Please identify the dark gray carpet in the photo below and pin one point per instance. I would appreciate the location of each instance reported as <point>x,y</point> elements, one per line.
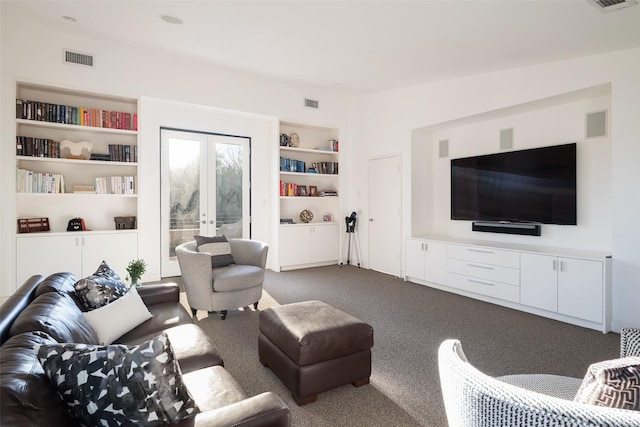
<point>409,322</point>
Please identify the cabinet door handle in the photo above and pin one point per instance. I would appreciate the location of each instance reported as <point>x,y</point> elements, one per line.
<point>555,265</point>
<point>484,251</point>
<point>486,267</point>
<point>482,282</point>
<point>562,266</point>
<point>426,247</point>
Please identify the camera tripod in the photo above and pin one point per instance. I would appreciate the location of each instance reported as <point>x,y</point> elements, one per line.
<point>350,222</point>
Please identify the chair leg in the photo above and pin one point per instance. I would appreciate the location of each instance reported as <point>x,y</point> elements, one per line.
<point>223,314</point>
<point>255,305</point>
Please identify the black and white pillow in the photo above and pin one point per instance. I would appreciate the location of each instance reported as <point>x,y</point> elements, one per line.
<point>612,383</point>
<point>218,247</point>
<point>101,288</point>
<point>119,385</point>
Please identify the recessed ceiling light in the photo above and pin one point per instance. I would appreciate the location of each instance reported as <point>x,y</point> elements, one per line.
<point>171,19</point>
<point>69,18</point>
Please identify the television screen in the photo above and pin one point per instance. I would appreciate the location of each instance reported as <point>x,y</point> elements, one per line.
<point>535,185</point>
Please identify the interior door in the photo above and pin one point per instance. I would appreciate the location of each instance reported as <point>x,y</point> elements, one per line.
<point>204,190</point>
<point>385,227</point>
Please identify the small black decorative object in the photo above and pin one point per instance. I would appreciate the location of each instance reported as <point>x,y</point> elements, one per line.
<point>75,224</point>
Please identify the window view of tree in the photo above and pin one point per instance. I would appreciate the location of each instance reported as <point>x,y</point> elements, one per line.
<point>229,189</point>
<point>184,193</point>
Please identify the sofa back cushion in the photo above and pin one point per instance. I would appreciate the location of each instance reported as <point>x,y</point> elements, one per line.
<point>61,283</point>
<point>58,316</point>
<point>27,396</point>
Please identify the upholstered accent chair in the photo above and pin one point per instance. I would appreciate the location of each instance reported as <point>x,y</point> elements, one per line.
<point>472,398</point>
<point>223,288</point>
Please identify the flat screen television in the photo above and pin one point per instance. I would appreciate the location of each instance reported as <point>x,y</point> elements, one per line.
<point>536,185</point>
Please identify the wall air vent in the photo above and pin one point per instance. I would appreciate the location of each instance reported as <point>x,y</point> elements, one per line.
<point>78,58</point>
<point>609,5</point>
<point>311,103</point>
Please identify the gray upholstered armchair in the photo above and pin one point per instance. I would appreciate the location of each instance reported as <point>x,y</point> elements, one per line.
<point>220,289</point>
<point>472,398</point>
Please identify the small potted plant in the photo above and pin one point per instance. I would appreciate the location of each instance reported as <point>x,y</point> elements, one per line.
<point>136,269</point>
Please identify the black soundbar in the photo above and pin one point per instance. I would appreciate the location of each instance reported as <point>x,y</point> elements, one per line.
<point>524,228</point>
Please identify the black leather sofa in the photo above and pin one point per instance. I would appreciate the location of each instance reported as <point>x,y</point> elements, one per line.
<point>45,310</point>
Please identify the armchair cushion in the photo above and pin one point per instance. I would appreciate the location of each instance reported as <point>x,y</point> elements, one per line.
<point>216,246</point>
<point>612,383</point>
<point>109,385</point>
<point>101,288</point>
<point>236,277</point>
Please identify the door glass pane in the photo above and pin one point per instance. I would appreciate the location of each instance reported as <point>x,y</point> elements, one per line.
<point>229,189</point>
<point>184,194</point>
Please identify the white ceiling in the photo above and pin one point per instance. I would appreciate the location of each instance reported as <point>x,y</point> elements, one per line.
<point>357,46</point>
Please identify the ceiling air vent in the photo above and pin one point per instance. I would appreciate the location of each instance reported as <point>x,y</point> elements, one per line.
<point>609,5</point>
<point>311,103</point>
<point>78,58</point>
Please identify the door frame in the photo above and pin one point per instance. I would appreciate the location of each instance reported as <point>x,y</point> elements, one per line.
<point>398,246</point>
<point>173,269</point>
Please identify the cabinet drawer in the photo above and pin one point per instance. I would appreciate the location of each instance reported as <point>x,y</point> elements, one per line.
<point>494,273</point>
<point>484,255</point>
<point>484,287</point>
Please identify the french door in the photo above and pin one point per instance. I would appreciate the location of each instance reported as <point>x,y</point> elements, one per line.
<point>205,189</point>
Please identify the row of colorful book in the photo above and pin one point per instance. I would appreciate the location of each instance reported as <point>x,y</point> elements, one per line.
<point>71,115</point>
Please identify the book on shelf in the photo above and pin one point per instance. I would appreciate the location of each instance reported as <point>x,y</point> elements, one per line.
<point>292,165</point>
<point>38,182</point>
<point>37,147</point>
<point>73,115</point>
<point>116,185</point>
<point>328,193</point>
<point>123,153</point>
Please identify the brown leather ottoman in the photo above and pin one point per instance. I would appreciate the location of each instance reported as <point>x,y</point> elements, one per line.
<point>313,347</point>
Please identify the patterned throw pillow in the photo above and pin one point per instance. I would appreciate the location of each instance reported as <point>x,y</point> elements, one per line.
<point>100,288</point>
<point>118,385</point>
<point>218,247</point>
<point>612,383</point>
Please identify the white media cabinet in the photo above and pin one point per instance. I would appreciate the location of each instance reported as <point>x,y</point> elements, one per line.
<point>568,285</point>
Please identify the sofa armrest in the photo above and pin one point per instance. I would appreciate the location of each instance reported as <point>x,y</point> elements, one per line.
<point>265,409</point>
<point>629,342</point>
<point>159,293</point>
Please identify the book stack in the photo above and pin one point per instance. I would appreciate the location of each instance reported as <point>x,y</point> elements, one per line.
<point>37,147</point>
<point>328,193</point>
<point>84,189</point>
<point>72,115</point>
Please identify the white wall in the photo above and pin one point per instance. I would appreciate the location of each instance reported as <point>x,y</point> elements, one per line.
<point>387,121</point>
<point>543,126</point>
<point>210,97</point>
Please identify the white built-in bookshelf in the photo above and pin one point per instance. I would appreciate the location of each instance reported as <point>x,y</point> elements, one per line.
<point>57,184</point>
<point>309,180</point>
